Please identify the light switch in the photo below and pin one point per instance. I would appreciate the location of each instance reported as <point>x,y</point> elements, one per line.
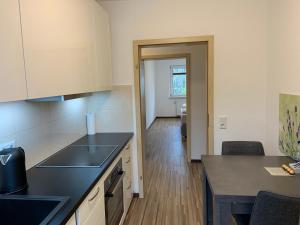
<point>223,122</point>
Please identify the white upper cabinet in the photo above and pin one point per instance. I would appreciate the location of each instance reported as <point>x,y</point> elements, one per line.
<point>66,47</point>
<point>103,76</point>
<point>12,73</point>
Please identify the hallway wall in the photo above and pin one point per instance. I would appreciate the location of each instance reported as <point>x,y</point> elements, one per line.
<point>166,106</point>
<point>150,92</point>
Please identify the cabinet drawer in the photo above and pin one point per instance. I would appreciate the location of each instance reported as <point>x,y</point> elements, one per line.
<point>126,155</point>
<point>126,160</point>
<point>127,169</point>
<point>91,201</point>
<point>127,149</point>
<point>127,184</point>
<point>128,146</point>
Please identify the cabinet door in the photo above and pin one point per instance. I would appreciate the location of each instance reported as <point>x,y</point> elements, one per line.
<point>103,75</point>
<point>12,72</point>
<point>92,210</point>
<point>71,221</point>
<point>127,193</point>
<point>59,46</point>
<point>97,214</point>
<point>127,189</point>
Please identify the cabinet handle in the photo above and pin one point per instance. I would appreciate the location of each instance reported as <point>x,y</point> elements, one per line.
<point>129,187</point>
<point>95,195</point>
<point>127,147</point>
<point>128,161</point>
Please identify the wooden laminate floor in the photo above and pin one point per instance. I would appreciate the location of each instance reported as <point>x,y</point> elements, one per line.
<point>172,186</point>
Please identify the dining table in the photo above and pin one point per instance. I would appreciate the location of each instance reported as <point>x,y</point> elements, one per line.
<point>231,184</point>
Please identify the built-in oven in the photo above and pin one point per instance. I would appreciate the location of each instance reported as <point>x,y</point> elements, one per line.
<point>113,189</point>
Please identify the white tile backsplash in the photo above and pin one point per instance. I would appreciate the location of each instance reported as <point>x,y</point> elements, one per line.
<point>43,128</point>
<point>114,111</point>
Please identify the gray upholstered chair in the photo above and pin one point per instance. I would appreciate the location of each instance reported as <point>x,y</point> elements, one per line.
<point>242,148</point>
<point>275,209</point>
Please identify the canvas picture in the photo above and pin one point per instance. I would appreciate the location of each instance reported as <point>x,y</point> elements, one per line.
<point>289,125</point>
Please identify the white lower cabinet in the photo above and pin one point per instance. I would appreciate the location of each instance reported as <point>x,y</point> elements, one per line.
<point>92,210</point>
<point>127,182</point>
<point>72,221</point>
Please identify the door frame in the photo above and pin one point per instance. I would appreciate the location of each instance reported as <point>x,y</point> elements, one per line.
<point>140,127</point>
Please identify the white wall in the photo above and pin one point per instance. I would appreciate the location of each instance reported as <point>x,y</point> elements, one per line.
<point>166,106</point>
<point>150,92</point>
<point>42,129</point>
<point>240,31</point>
<point>284,66</point>
<point>157,90</point>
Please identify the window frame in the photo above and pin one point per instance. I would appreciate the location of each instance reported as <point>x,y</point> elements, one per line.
<point>171,95</point>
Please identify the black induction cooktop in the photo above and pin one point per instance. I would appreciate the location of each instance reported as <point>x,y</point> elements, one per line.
<point>80,156</point>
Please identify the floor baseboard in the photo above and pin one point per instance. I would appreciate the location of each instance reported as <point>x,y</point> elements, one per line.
<point>136,195</point>
<point>167,117</point>
<point>196,161</point>
<point>152,123</point>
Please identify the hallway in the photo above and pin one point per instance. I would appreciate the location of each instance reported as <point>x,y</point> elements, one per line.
<point>172,186</point>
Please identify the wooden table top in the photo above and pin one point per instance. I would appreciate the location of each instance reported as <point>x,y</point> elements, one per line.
<point>245,176</point>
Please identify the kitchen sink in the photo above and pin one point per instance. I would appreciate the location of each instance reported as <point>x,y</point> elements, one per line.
<point>33,210</point>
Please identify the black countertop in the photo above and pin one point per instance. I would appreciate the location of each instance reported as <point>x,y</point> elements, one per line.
<point>75,183</point>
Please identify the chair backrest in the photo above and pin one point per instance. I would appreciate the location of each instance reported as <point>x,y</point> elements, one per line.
<point>275,209</point>
<point>242,148</point>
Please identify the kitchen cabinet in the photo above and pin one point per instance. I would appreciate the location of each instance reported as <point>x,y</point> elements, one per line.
<point>12,72</point>
<point>72,221</point>
<point>103,76</point>
<point>92,210</point>
<point>127,167</point>
<point>66,47</point>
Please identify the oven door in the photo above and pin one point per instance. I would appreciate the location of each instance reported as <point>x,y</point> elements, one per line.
<point>114,207</point>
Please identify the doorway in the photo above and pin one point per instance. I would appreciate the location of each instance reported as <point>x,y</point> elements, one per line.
<point>139,87</point>
<point>169,100</point>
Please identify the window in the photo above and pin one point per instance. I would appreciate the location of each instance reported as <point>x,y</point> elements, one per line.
<point>178,81</point>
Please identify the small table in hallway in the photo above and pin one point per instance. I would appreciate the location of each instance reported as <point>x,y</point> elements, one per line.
<point>231,183</point>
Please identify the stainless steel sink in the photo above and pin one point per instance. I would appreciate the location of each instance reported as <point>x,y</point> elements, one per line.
<point>33,210</point>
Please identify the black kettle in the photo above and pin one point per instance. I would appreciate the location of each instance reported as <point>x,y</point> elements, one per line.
<point>12,170</point>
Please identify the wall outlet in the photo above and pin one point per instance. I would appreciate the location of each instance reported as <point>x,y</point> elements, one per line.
<point>9,144</point>
<point>223,122</point>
